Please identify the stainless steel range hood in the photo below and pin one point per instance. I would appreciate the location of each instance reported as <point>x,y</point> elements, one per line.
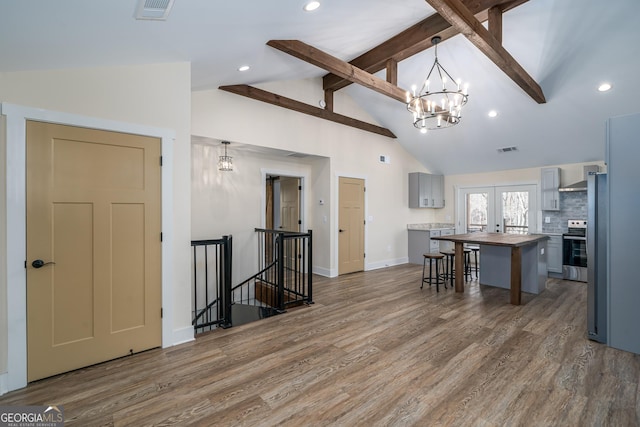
<point>576,186</point>
<point>581,185</point>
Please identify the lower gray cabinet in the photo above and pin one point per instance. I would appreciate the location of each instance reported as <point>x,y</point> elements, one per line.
<point>554,254</point>
<point>420,243</point>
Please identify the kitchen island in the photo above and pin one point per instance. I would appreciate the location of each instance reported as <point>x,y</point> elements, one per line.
<point>511,261</point>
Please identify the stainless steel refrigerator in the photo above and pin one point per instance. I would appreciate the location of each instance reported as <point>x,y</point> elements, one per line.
<point>613,239</point>
<point>597,257</point>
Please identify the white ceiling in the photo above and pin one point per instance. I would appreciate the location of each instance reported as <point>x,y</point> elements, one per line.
<point>568,46</point>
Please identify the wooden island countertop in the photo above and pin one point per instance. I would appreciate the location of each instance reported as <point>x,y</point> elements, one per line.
<point>495,239</point>
<point>515,241</point>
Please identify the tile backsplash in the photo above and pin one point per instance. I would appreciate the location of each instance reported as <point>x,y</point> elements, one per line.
<point>573,205</point>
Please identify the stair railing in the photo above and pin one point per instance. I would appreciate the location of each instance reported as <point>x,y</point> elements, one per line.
<point>291,255</point>
<point>211,283</point>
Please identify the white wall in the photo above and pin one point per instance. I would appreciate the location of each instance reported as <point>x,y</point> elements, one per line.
<point>352,152</point>
<point>151,95</point>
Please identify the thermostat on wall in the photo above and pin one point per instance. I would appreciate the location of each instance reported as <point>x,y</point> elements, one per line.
<point>385,159</point>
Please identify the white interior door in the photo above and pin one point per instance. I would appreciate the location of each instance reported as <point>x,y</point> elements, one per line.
<point>501,209</point>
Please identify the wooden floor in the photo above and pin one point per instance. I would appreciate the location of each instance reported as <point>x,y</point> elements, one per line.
<point>374,350</point>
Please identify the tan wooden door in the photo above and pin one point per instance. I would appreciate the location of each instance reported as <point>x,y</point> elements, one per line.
<point>351,225</point>
<point>290,204</point>
<point>93,208</point>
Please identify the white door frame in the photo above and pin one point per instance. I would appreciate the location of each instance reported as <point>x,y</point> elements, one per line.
<point>16,245</point>
<point>304,179</point>
<point>336,213</point>
<point>491,188</point>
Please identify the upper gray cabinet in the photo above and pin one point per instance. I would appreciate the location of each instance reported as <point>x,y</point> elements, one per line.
<point>550,179</point>
<point>426,190</point>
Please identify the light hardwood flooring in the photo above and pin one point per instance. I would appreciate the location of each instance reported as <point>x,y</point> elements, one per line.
<point>374,350</point>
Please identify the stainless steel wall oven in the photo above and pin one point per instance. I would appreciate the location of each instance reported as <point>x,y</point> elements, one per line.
<point>574,251</point>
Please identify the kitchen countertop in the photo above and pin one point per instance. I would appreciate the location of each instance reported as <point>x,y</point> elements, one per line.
<point>495,239</point>
<point>429,226</point>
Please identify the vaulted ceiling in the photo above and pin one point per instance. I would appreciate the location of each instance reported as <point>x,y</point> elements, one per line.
<point>538,64</point>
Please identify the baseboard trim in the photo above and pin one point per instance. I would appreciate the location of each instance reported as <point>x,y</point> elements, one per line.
<point>183,335</point>
<point>4,383</point>
<point>321,271</point>
<point>386,263</point>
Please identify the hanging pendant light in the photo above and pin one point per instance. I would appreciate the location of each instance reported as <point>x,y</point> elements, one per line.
<point>225,163</point>
<point>439,102</point>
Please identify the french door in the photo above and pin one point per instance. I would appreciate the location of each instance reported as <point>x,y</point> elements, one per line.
<point>502,209</point>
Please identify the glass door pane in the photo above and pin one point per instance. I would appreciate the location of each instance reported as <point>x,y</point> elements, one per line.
<point>477,212</point>
<point>516,207</point>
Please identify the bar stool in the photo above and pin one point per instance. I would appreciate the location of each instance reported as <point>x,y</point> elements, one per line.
<point>432,257</point>
<point>467,264</point>
<point>475,249</point>
<point>448,264</point>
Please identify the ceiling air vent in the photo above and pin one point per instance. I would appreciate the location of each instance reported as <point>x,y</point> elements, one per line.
<point>507,149</point>
<point>153,10</point>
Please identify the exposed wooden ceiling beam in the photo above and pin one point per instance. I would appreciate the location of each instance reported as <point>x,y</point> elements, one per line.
<point>301,107</point>
<point>462,19</point>
<point>392,71</point>
<point>495,23</point>
<point>339,67</point>
<point>413,40</point>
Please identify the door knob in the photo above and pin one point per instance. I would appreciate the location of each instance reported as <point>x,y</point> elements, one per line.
<point>340,230</point>
<point>40,263</point>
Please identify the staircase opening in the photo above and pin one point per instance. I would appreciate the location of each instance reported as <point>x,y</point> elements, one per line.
<point>283,279</point>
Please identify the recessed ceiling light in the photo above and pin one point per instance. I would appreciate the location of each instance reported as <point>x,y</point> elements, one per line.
<point>604,87</point>
<point>312,5</point>
<point>493,113</point>
<point>244,68</point>
<point>423,130</point>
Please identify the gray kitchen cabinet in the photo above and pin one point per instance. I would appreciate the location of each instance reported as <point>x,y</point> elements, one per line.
<point>420,243</point>
<point>550,184</point>
<point>554,254</point>
<point>444,245</point>
<point>426,190</point>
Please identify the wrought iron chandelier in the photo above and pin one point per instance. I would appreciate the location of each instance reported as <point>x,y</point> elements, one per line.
<point>225,163</point>
<point>438,104</point>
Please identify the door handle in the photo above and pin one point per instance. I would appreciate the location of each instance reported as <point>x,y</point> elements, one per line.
<point>40,263</point>
<point>340,230</point>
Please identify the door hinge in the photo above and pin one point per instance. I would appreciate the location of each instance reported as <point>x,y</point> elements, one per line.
<point>364,255</point>
<point>299,187</point>
<point>299,222</point>
<point>25,263</point>
<point>161,236</point>
<point>160,160</point>
<point>161,312</point>
<point>364,189</point>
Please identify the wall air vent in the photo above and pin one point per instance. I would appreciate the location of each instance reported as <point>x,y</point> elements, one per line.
<point>507,149</point>
<point>153,10</point>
